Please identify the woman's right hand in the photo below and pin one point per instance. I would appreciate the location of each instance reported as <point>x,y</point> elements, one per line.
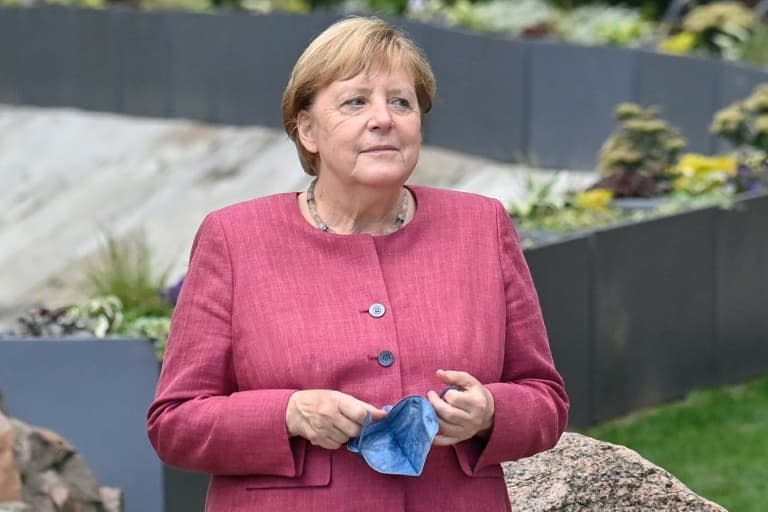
<point>327,418</point>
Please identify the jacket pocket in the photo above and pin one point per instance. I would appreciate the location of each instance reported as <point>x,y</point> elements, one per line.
<point>492,471</point>
<point>316,473</point>
<point>468,454</point>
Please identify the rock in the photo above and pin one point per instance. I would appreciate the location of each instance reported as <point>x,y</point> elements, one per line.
<point>78,477</point>
<point>47,449</point>
<point>15,506</point>
<point>10,480</point>
<point>111,498</point>
<point>584,474</point>
<point>40,471</point>
<point>3,408</point>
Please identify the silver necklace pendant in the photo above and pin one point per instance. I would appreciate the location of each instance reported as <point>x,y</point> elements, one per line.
<point>397,223</point>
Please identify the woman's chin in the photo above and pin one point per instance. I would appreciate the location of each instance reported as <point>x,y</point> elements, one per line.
<point>383,176</point>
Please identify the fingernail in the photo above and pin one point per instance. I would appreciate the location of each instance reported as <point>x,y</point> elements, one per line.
<point>449,388</point>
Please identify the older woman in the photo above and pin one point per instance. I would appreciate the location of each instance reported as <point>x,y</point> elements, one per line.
<point>303,313</point>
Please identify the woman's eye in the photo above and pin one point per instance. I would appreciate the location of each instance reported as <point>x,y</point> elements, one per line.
<point>401,103</point>
<point>355,102</point>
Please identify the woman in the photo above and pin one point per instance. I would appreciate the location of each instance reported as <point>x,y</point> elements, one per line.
<point>303,313</point>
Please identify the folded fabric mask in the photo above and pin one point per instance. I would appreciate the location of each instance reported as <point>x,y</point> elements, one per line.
<point>398,444</point>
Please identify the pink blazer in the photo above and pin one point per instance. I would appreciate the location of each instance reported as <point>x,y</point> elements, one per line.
<point>272,305</point>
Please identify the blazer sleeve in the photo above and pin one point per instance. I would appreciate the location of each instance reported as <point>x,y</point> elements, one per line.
<point>531,405</point>
<point>200,420</point>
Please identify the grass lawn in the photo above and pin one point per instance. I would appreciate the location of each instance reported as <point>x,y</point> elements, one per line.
<point>715,441</point>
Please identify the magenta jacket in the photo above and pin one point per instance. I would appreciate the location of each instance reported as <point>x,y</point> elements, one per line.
<point>272,305</point>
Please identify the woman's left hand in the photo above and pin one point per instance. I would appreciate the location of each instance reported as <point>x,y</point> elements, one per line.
<point>463,413</point>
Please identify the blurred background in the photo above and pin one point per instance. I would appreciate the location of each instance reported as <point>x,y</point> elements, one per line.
<point>629,141</point>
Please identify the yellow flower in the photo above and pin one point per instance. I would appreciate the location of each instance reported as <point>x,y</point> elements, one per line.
<point>680,43</point>
<point>595,199</point>
<point>692,164</point>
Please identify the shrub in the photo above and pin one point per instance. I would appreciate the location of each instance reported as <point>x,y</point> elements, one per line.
<point>123,269</point>
<point>725,29</point>
<point>745,123</point>
<point>633,162</point>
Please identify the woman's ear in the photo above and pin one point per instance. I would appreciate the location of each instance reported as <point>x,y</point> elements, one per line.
<point>306,132</point>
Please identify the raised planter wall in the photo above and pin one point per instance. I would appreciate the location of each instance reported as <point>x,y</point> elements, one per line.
<point>643,313</point>
<point>550,104</point>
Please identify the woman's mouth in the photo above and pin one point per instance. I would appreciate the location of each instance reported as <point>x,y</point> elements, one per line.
<point>379,149</point>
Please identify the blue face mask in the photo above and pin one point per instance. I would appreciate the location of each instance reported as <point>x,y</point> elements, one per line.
<point>398,444</point>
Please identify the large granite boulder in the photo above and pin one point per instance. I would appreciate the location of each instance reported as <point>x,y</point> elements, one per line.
<point>41,472</point>
<point>584,474</point>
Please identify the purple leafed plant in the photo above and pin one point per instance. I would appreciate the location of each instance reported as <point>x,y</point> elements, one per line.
<point>171,294</point>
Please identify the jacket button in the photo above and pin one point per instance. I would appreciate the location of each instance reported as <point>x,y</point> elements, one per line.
<point>377,310</point>
<point>386,358</point>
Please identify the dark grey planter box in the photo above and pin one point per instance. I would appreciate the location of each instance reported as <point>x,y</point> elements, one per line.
<point>571,96</point>
<point>640,314</point>
<point>490,122</point>
<point>184,491</point>
<point>41,60</point>
<point>563,275</point>
<point>741,254</point>
<point>546,103</point>
<point>95,393</point>
<point>144,63</point>
<point>685,88</point>
<point>654,296</point>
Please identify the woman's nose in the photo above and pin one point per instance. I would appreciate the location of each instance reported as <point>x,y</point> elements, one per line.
<point>381,116</point>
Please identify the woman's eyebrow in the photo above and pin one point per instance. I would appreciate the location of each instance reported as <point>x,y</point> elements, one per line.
<point>355,90</point>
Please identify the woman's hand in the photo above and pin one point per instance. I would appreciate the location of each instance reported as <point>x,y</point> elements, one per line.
<point>462,414</point>
<point>327,418</point>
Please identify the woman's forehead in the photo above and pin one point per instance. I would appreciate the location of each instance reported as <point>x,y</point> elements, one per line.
<point>395,74</point>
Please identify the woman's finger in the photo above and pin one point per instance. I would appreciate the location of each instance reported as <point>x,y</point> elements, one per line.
<point>446,411</point>
<point>457,378</point>
<point>441,440</point>
<point>470,401</point>
<point>347,427</point>
<point>356,410</point>
<point>449,429</point>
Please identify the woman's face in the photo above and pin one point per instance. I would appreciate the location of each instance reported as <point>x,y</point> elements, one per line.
<point>366,130</point>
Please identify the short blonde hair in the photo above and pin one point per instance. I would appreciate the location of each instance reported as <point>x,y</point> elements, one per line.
<point>344,50</point>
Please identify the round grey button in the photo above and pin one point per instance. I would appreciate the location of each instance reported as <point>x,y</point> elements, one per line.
<point>386,358</point>
<point>377,310</point>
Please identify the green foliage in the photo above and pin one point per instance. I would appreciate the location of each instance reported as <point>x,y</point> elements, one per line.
<point>499,16</point>
<point>100,315</point>
<point>725,29</point>
<point>755,49</point>
<point>548,206</point>
<point>123,269</point>
<point>634,160</point>
<point>745,123</point>
<point>103,316</point>
<point>602,24</point>
<point>714,441</point>
<point>541,197</point>
<point>594,24</point>
<point>93,4</point>
<point>155,328</point>
<point>721,28</point>
<point>267,6</point>
<point>184,5</point>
